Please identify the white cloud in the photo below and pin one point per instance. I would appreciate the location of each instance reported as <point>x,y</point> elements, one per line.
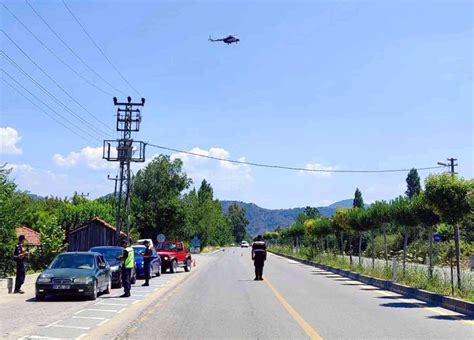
<point>225,177</point>
<point>9,137</point>
<point>317,166</point>
<point>45,182</point>
<point>90,156</point>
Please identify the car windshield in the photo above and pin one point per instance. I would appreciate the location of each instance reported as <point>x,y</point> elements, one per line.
<point>166,246</point>
<point>138,250</point>
<point>110,254</point>
<point>73,261</point>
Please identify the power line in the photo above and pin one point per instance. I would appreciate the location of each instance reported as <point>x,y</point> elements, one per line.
<point>261,165</point>
<point>44,111</point>
<point>54,54</point>
<point>98,47</point>
<point>54,81</point>
<point>71,50</point>
<point>97,131</point>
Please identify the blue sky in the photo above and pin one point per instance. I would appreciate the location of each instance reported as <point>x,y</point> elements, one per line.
<point>321,84</point>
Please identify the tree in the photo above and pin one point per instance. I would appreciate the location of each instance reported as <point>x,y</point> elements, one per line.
<point>380,214</point>
<point>237,221</point>
<point>52,239</point>
<point>426,217</point>
<point>413,183</point>
<point>341,223</point>
<point>356,224</point>
<point>402,213</point>
<point>9,212</point>
<point>312,212</point>
<point>358,201</point>
<point>156,199</point>
<point>451,199</point>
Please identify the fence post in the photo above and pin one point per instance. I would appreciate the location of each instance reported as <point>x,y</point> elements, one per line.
<point>395,269</point>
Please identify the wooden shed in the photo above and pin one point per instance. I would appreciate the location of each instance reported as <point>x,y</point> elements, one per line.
<point>94,233</point>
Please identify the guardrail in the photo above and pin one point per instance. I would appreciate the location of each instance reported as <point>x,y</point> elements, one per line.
<point>457,305</point>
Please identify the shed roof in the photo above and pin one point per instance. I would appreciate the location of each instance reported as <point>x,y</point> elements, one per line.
<point>32,237</point>
<point>99,221</point>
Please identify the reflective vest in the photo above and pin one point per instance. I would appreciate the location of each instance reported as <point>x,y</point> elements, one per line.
<point>130,260</point>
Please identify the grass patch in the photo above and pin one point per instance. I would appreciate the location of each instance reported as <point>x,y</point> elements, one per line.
<point>209,249</point>
<point>415,277</point>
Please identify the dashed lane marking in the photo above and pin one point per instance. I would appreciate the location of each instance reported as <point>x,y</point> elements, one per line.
<point>53,323</point>
<point>103,322</point>
<point>72,327</point>
<point>102,310</point>
<point>81,336</point>
<point>88,317</point>
<point>110,304</point>
<point>310,331</point>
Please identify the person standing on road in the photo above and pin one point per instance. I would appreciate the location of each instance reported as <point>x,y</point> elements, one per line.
<point>128,259</point>
<point>259,255</point>
<point>147,255</point>
<point>19,257</point>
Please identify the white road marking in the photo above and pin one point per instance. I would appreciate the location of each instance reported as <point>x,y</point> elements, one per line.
<point>110,304</point>
<point>73,327</point>
<point>81,336</point>
<point>134,302</point>
<point>120,311</point>
<point>103,322</point>
<point>102,310</point>
<point>53,323</point>
<point>88,317</point>
<point>79,312</point>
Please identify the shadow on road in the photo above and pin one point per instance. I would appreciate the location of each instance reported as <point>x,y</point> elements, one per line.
<point>451,317</point>
<point>404,305</point>
<point>62,298</point>
<point>352,284</point>
<point>390,297</point>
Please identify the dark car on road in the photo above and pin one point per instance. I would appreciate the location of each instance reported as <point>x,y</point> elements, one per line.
<point>75,273</point>
<point>111,253</point>
<point>155,263</point>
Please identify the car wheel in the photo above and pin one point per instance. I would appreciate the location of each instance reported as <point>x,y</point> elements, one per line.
<point>173,267</point>
<point>134,278</point>
<point>95,289</point>
<point>109,286</point>
<point>40,297</point>
<point>159,271</point>
<point>187,267</point>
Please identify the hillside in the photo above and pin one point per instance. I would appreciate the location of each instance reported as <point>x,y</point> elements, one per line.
<point>262,219</point>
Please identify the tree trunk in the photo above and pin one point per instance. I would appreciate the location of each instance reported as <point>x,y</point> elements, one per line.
<point>350,250</point>
<point>430,253</point>
<point>458,254</point>
<point>385,250</point>
<point>405,245</point>
<point>360,249</point>
<point>327,244</point>
<point>373,250</point>
<point>342,243</point>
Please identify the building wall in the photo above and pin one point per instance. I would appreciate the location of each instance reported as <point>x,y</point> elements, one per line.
<point>94,234</point>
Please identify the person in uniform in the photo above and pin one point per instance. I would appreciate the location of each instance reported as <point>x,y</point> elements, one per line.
<point>147,256</point>
<point>19,257</point>
<point>128,259</point>
<point>259,255</point>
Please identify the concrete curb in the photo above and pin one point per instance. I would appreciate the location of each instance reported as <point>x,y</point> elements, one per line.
<point>7,284</point>
<point>447,302</point>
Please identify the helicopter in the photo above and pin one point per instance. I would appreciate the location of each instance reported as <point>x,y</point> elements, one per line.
<point>228,40</point>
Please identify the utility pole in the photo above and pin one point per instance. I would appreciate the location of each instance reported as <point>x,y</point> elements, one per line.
<point>456,232</point>
<point>451,165</point>
<point>125,150</point>
<point>115,184</point>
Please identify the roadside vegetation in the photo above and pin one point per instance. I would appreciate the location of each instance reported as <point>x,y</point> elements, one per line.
<point>163,201</point>
<point>425,233</point>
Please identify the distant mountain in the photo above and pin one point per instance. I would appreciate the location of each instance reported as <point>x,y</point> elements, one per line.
<point>261,219</point>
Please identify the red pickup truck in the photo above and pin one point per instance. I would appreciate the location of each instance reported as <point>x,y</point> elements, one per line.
<point>173,255</point>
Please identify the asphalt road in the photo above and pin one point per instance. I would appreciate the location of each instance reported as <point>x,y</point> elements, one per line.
<point>294,302</point>
<point>21,316</point>
<point>220,300</point>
